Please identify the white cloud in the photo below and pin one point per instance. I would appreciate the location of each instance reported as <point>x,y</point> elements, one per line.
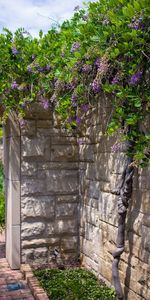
<point>34,15</point>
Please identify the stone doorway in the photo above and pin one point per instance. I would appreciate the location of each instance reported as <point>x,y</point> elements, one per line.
<point>12,191</point>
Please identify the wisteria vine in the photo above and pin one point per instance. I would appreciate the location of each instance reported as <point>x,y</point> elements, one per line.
<point>103,49</point>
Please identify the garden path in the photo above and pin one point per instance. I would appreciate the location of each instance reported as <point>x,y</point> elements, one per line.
<point>12,285</point>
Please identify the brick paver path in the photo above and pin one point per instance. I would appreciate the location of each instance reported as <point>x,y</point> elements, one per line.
<point>12,285</point>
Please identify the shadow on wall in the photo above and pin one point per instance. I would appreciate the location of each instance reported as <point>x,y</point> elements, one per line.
<point>138,236</point>
<point>100,174</point>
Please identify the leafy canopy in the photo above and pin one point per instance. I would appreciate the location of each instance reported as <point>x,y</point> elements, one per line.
<point>103,49</point>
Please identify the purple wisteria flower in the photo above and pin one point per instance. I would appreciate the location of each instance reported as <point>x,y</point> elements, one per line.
<point>14,50</point>
<point>29,69</point>
<point>14,85</point>
<point>97,62</point>
<point>86,68</point>
<point>48,68</point>
<point>53,99</point>
<point>74,100</point>
<point>138,24</point>
<point>75,47</point>
<point>78,120</point>
<point>59,85</point>
<point>96,86</point>
<point>44,103</point>
<point>135,78</point>
<point>40,69</point>
<point>22,123</point>
<point>115,80</point>
<point>85,107</point>
<point>116,147</point>
<point>80,141</point>
<point>23,104</point>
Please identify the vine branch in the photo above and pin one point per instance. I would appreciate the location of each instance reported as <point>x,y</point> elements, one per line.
<point>124,193</point>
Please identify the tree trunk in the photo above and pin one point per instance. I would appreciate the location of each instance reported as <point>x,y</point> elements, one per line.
<point>124,192</point>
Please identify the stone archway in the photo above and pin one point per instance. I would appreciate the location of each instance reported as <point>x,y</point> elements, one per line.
<point>12,152</point>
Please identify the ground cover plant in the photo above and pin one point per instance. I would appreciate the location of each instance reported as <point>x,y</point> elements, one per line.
<point>73,284</point>
<point>102,50</point>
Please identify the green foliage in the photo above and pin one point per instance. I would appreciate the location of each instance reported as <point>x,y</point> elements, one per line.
<point>102,50</point>
<point>73,284</point>
<point>2,201</point>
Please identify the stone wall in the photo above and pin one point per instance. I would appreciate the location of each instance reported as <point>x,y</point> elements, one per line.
<point>49,191</point>
<point>53,183</point>
<point>100,172</point>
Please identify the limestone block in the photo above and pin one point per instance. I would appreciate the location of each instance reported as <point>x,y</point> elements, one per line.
<point>62,181</point>
<point>34,147</point>
<point>57,165</point>
<point>90,201</point>
<point>64,153</point>
<point>144,182</point>
<point>40,254</point>
<point>134,222</point>
<point>66,210</point>
<point>68,198</point>
<point>66,226</point>
<point>31,186</point>
<point>83,166</point>
<point>86,153</point>
<point>50,229</point>
<point>43,206</point>
<point>91,232</point>
<point>146,220</point>
<point>90,172</point>
<point>89,263</point>
<point>146,238</point>
<point>37,112</point>
<point>32,230</point>
<point>44,123</point>
<point>145,203</point>
<point>63,140</point>
<point>144,171</point>
<point>91,215</point>
<point>35,256</point>
<point>104,269</point>
<point>29,129</point>
<point>29,168</point>
<point>91,248</point>
<point>93,189</point>
<point>109,163</point>
<point>108,208</point>
<point>104,143</point>
<point>40,242</point>
<point>69,243</point>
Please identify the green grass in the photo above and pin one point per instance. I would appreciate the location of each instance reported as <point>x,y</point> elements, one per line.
<point>2,200</point>
<point>73,284</point>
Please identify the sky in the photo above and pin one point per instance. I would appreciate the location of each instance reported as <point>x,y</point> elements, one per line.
<point>34,15</point>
